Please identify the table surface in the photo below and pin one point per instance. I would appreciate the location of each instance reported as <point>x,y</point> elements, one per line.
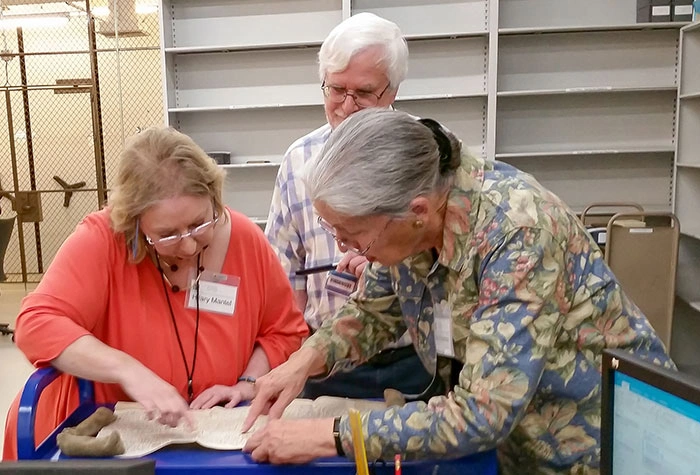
<point>192,459</point>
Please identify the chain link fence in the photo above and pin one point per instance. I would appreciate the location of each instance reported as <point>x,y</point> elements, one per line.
<point>71,91</point>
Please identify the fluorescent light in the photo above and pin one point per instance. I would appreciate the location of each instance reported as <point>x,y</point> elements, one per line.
<point>51,20</point>
<point>141,9</point>
<point>100,11</point>
<point>146,9</point>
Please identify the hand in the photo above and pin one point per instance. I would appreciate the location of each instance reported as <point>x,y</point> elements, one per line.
<point>276,389</point>
<point>160,399</point>
<point>210,397</point>
<point>292,441</point>
<point>352,264</point>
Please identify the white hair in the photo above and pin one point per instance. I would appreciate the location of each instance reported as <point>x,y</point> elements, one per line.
<point>378,160</point>
<point>356,34</point>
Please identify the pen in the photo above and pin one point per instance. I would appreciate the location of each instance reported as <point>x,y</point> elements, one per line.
<point>317,269</point>
<point>358,442</point>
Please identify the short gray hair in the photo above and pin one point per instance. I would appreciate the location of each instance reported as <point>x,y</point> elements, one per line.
<point>378,160</point>
<point>358,33</point>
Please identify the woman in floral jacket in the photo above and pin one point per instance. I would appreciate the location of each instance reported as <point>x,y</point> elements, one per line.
<point>490,273</point>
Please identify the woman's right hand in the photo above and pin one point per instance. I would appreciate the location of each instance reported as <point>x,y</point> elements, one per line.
<point>352,263</point>
<point>275,390</point>
<point>159,398</point>
<point>89,358</point>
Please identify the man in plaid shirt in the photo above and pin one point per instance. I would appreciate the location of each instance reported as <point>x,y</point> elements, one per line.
<point>361,64</point>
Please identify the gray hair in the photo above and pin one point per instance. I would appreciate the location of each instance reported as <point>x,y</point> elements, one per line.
<point>378,160</point>
<point>358,33</point>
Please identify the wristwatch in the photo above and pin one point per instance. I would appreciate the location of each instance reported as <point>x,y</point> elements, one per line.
<point>336,437</point>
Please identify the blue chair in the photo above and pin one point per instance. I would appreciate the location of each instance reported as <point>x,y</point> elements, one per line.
<point>26,417</point>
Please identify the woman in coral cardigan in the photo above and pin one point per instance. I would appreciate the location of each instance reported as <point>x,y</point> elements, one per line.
<point>166,297</point>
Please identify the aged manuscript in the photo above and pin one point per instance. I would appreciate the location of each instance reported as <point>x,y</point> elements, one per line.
<point>216,428</point>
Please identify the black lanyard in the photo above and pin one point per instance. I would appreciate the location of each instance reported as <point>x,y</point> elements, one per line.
<point>190,373</point>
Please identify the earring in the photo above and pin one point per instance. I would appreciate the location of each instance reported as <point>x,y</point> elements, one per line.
<point>418,224</point>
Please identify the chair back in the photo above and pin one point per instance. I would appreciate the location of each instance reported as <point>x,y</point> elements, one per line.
<point>643,255</point>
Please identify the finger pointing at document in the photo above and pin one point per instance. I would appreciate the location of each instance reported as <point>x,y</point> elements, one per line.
<point>275,390</point>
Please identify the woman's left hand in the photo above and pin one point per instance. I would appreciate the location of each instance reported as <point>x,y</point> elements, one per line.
<point>293,441</point>
<point>243,391</point>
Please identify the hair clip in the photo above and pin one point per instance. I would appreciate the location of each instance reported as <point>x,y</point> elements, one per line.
<point>443,143</point>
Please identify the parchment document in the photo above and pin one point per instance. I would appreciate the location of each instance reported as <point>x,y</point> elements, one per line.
<point>216,428</point>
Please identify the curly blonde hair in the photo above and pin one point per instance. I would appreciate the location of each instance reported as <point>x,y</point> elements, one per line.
<point>157,164</point>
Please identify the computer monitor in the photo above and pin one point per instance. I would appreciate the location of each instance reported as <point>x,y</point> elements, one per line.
<point>650,418</point>
<point>79,467</point>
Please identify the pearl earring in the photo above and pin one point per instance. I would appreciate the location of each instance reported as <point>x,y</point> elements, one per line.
<point>418,224</point>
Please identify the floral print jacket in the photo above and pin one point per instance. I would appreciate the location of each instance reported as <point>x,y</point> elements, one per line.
<point>532,304</point>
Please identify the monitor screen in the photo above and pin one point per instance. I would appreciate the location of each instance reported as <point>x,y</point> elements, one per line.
<point>79,467</point>
<point>655,428</point>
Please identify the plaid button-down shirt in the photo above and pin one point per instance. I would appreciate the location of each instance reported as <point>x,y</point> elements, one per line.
<point>294,233</point>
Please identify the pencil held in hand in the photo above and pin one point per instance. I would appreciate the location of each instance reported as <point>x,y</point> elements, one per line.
<point>358,442</point>
<point>317,270</point>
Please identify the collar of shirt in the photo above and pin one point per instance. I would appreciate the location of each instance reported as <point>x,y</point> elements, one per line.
<point>460,216</point>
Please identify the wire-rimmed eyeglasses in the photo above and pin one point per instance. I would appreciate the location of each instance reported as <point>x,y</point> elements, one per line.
<point>328,227</point>
<point>176,238</point>
<point>362,99</point>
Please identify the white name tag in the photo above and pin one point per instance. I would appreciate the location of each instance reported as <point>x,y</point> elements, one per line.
<point>442,329</point>
<point>217,293</point>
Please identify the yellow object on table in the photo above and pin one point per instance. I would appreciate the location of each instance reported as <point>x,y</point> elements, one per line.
<point>358,442</point>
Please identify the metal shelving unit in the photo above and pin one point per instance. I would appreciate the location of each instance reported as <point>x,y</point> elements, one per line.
<point>242,76</point>
<point>687,170</point>
<point>586,99</point>
<point>582,98</point>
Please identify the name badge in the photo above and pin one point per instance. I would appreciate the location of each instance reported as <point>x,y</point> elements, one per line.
<point>340,283</point>
<point>217,292</point>
<point>442,329</point>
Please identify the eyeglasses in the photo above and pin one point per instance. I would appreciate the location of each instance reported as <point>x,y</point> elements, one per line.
<point>363,99</point>
<point>168,241</point>
<point>328,227</point>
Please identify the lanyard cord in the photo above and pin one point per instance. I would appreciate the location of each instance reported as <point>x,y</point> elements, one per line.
<point>190,373</point>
